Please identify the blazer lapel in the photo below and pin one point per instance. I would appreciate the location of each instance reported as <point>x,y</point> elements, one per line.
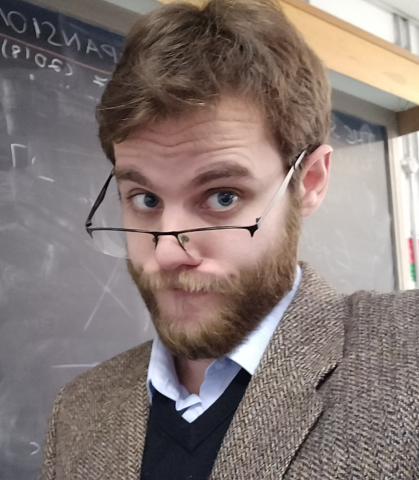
<point>114,449</point>
<point>281,404</point>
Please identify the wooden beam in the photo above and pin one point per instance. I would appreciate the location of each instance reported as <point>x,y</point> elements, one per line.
<point>348,27</point>
<point>408,121</point>
<point>355,53</point>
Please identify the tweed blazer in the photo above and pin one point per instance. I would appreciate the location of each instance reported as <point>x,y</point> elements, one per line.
<point>336,396</point>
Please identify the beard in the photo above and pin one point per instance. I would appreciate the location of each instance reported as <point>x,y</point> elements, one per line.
<point>247,297</point>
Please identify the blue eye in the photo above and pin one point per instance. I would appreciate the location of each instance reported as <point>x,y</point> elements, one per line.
<point>221,200</point>
<point>145,201</point>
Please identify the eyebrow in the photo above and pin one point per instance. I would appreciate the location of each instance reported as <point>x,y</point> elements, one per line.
<point>226,171</point>
<point>134,176</point>
<point>217,173</point>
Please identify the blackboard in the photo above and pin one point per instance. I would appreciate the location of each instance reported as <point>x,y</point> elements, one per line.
<point>349,240</point>
<point>63,306</point>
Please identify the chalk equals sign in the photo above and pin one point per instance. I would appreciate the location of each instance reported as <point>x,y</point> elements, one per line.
<point>77,365</point>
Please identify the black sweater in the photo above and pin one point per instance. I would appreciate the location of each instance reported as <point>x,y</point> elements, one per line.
<point>178,450</point>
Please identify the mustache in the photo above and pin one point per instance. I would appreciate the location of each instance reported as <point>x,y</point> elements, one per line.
<point>185,280</point>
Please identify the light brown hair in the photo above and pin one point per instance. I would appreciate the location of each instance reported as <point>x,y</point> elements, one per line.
<point>181,58</point>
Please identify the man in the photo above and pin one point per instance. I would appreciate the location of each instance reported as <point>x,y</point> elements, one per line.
<point>215,121</point>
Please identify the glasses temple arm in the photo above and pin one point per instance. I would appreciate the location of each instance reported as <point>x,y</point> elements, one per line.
<point>282,188</point>
<point>99,200</point>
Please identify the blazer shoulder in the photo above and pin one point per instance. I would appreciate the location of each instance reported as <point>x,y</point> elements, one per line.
<point>384,322</point>
<point>397,307</point>
<point>115,375</point>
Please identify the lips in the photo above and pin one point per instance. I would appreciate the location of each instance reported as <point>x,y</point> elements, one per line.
<point>175,295</point>
<point>181,291</point>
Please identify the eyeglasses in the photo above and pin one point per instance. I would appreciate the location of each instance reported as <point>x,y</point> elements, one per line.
<point>114,241</point>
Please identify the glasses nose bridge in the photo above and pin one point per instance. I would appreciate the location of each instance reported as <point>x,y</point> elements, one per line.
<point>157,235</point>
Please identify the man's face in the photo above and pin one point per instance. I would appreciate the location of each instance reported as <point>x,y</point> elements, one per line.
<point>217,168</point>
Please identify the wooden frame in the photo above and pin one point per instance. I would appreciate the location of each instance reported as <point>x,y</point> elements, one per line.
<point>401,249</point>
<point>408,121</point>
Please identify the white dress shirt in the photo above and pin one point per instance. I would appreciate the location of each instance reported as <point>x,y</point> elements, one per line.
<point>162,374</point>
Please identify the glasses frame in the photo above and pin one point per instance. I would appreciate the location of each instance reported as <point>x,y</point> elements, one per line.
<point>250,228</point>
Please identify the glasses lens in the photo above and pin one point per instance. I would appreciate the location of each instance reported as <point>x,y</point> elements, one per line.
<point>110,243</point>
<point>114,243</point>
<point>228,243</point>
<point>109,215</point>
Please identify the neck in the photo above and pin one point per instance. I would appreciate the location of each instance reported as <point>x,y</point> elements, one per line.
<point>191,373</point>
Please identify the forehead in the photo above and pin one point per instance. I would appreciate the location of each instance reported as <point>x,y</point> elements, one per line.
<point>233,133</point>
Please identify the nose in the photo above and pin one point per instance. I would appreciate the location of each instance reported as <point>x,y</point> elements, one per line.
<point>170,255</point>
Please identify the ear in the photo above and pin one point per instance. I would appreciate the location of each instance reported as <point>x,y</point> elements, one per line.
<point>315,179</point>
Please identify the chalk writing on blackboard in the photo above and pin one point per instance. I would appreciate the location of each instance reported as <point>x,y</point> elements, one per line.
<point>37,448</point>
<point>50,44</point>
<point>18,23</point>
<point>77,365</point>
<point>100,81</point>
<point>353,136</point>
<point>14,51</point>
<point>14,147</point>
<point>22,50</point>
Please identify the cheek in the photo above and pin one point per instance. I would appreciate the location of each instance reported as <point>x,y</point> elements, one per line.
<point>263,242</point>
<point>247,256</point>
<point>269,236</point>
<point>140,247</point>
